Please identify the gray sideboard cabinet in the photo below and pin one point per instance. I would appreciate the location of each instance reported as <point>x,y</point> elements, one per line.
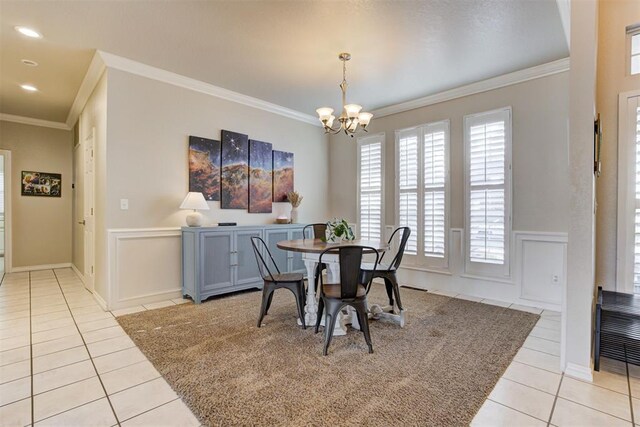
<point>220,260</point>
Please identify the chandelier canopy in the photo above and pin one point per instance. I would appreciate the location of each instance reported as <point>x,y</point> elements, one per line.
<point>351,119</point>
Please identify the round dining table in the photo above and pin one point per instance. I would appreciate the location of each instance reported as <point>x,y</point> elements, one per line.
<point>311,250</point>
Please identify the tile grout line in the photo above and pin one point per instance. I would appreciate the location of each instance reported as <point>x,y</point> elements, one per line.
<point>626,366</point>
<point>154,408</point>
<point>513,409</point>
<point>555,400</point>
<point>87,348</point>
<point>33,420</point>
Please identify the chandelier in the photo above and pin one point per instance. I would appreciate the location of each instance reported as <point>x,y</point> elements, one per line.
<point>351,117</point>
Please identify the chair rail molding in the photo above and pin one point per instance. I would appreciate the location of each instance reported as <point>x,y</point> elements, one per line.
<point>144,266</point>
<point>454,279</point>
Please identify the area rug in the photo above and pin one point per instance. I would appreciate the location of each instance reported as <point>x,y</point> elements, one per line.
<point>436,371</point>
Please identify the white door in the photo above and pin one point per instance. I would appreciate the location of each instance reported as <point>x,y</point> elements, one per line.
<point>89,209</point>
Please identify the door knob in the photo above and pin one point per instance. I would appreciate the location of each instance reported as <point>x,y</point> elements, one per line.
<point>83,222</point>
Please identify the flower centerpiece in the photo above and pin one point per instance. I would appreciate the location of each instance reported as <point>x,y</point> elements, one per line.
<point>339,230</point>
<point>295,199</point>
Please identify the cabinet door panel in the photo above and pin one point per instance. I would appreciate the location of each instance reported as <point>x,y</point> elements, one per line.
<point>279,256</point>
<point>297,265</point>
<point>246,264</point>
<point>216,260</point>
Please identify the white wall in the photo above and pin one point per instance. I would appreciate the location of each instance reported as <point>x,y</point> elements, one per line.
<point>540,173</point>
<point>577,319</point>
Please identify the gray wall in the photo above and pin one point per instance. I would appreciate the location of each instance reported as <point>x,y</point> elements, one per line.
<point>540,164</point>
<point>41,229</point>
<point>149,124</point>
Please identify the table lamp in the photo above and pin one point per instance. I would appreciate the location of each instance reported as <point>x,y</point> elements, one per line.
<point>194,201</point>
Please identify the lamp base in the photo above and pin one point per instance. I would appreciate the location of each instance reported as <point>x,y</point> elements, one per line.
<point>194,219</point>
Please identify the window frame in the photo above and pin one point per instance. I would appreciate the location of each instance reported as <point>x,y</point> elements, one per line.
<point>371,139</point>
<point>626,191</point>
<point>420,260</point>
<point>631,31</point>
<point>477,268</point>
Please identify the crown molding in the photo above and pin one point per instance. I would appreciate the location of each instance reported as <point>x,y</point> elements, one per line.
<point>33,122</point>
<point>143,70</point>
<point>91,79</point>
<point>548,69</point>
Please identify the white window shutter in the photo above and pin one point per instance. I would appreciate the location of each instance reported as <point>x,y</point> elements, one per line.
<point>408,186</point>
<point>370,187</point>
<point>434,159</point>
<point>487,147</point>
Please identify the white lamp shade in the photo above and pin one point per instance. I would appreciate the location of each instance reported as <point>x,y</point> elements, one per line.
<point>194,201</point>
<point>352,110</point>
<point>364,118</point>
<point>324,113</point>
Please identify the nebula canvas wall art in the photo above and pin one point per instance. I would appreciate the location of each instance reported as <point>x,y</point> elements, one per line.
<point>204,167</point>
<point>282,175</point>
<point>234,179</point>
<point>260,179</point>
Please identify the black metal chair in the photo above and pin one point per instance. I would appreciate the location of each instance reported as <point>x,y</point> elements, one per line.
<point>318,230</point>
<point>351,291</point>
<point>292,281</point>
<point>387,272</point>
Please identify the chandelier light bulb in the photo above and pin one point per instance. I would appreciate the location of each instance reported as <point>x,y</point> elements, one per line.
<point>324,113</point>
<point>364,118</point>
<point>352,110</point>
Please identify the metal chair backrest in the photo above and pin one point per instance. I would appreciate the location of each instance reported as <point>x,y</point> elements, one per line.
<point>395,262</point>
<point>260,247</point>
<point>319,230</point>
<point>351,276</point>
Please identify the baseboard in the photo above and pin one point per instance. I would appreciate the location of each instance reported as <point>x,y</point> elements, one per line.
<point>80,275</point>
<point>40,267</point>
<point>100,301</point>
<point>579,372</point>
<point>147,298</point>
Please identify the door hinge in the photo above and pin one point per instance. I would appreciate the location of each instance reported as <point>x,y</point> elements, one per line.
<point>92,269</point>
<point>91,211</point>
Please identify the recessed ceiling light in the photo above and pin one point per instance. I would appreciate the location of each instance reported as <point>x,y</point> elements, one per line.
<point>29,88</point>
<point>29,62</point>
<point>29,32</point>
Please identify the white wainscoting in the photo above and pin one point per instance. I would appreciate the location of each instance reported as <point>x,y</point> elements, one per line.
<point>538,259</point>
<point>144,266</point>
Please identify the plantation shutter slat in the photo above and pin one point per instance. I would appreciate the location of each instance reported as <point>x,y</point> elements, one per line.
<point>487,177</point>
<point>408,187</point>
<point>370,188</point>
<point>434,191</point>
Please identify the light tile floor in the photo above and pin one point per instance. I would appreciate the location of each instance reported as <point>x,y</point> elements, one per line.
<point>66,362</point>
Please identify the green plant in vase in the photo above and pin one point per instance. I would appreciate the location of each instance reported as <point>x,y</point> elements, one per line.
<point>339,230</point>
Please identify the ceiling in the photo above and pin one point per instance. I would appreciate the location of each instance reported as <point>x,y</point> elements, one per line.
<point>284,52</point>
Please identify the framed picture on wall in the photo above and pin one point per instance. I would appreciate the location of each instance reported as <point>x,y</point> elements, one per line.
<point>260,180</point>
<point>282,175</point>
<point>234,178</point>
<point>41,184</point>
<point>204,167</point>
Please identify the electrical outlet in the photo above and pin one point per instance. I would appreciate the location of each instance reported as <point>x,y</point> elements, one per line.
<point>555,278</point>
<point>124,204</point>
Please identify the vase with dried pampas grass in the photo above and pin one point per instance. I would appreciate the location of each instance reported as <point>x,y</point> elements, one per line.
<point>295,199</point>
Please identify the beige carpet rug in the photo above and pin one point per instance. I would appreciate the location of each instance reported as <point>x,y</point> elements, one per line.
<point>437,371</point>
